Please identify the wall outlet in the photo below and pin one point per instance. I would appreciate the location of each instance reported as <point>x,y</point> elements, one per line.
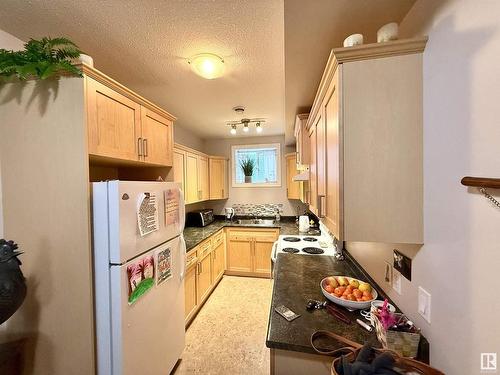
<point>396,281</point>
<point>388,273</point>
<point>424,304</point>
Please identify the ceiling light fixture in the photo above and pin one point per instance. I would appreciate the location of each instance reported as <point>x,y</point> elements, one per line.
<point>233,129</point>
<point>245,127</point>
<point>258,128</point>
<point>207,65</point>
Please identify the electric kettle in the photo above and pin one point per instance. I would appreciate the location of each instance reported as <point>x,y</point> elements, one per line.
<point>229,213</point>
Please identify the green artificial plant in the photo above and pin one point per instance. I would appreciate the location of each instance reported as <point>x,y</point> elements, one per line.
<point>41,59</point>
<point>247,165</point>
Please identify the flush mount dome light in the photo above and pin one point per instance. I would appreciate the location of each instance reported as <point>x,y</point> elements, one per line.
<point>207,65</point>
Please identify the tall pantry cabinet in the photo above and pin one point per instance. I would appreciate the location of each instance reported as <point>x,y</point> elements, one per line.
<point>366,146</point>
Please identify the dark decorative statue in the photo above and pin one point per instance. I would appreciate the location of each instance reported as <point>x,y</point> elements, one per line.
<point>12,283</point>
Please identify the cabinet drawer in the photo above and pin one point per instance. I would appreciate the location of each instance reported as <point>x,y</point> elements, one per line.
<point>204,248</point>
<point>217,238</point>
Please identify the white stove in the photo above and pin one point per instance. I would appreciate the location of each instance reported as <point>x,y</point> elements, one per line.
<point>303,244</point>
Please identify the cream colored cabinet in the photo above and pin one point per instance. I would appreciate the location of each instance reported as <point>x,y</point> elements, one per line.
<point>190,286</point>
<point>203,179</point>
<point>157,138</point>
<point>302,141</point>
<point>113,122</point>
<point>365,133</point>
<point>218,168</point>
<point>249,251</point>
<point>292,187</point>
<point>120,128</point>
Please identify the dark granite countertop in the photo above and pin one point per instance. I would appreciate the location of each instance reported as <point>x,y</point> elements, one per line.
<point>297,279</point>
<point>194,235</point>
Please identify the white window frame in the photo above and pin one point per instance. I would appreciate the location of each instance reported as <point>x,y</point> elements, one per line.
<point>254,185</point>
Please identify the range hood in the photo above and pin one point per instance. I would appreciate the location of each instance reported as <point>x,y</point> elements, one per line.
<point>303,176</point>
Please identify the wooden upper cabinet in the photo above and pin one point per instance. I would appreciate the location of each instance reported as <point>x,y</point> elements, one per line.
<point>113,122</point>
<point>313,172</point>
<point>179,168</point>
<point>332,203</point>
<point>203,179</point>
<point>191,194</point>
<point>157,138</point>
<point>366,143</point>
<point>123,126</point>
<point>302,141</point>
<point>292,187</point>
<point>218,178</point>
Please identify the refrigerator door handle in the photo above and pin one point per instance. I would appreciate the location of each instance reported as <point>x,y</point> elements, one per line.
<point>182,249</point>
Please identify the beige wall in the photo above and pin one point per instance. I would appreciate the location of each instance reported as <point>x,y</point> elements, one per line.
<point>7,41</point>
<point>255,195</point>
<point>460,260</point>
<point>188,138</point>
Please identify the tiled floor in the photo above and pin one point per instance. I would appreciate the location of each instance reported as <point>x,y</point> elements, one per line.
<point>228,336</point>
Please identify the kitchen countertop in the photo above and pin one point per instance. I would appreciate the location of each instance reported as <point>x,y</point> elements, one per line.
<point>194,235</point>
<point>296,280</point>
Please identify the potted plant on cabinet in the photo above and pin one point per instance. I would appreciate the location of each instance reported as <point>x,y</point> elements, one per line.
<point>247,166</point>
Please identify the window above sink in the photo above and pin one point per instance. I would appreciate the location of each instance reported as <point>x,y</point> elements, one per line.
<point>266,162</point>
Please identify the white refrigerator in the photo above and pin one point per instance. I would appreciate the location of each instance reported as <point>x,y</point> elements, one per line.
<point>139,264</point>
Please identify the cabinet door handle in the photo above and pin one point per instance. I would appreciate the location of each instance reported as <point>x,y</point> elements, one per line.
<point>320,205</point>
<point>145,141</point>
<point>222,192</point>
<point>139,146</point>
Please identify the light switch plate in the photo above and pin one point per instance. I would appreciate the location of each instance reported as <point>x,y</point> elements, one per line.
<point>388,273</point>
<point>396,281</point>
<point>424,304</point>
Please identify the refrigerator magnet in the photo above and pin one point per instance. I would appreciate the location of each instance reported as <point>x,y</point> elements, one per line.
<point>140,278</point>
<point>163,266</point>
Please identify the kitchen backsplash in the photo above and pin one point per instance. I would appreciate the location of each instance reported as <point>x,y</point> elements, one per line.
<point>266,209</point>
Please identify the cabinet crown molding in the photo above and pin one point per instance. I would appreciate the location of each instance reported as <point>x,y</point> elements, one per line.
<point>115,85</point>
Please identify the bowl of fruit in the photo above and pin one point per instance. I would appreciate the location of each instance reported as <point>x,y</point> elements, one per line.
<point>348,292</point>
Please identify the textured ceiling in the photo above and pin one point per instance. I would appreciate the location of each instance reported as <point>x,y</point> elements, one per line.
<point>274,49</point>
<point>312,29</point>
<point>145,44</point>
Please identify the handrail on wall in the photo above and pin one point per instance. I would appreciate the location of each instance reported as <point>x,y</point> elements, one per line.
<point>482,183</point>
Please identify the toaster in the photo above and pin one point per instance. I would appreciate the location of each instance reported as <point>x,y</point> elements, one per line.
<point>199,218</point>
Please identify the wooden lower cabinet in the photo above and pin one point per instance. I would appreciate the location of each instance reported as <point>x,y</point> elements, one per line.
<point>190,287</point>
<point>249,251</point>
<point>205,266</point>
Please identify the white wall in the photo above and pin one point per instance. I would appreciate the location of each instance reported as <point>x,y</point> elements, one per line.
<point>188,138</point>
<point>10,42</point>
<point>459,263</point>
<point>257,195</point>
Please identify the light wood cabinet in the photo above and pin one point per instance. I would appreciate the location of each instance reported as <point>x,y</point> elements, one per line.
<point>203,179</point>
<point>365,133</point>
<point>218,256</point>
<point>204,283</point>
<point>157,138</point>
<point>218,168</point>
<point>114,123</point>
<point>190,287</point>
<point>179,168</point>
<point>249,251</point>
<point>292,187</point>
<point>302,141</point>
<point>121,128</point>
<point>192,190</point>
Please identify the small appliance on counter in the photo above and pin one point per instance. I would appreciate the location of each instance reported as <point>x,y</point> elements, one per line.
<point>303,223</point>
<point>199,218</point>
<point>229,213</point>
